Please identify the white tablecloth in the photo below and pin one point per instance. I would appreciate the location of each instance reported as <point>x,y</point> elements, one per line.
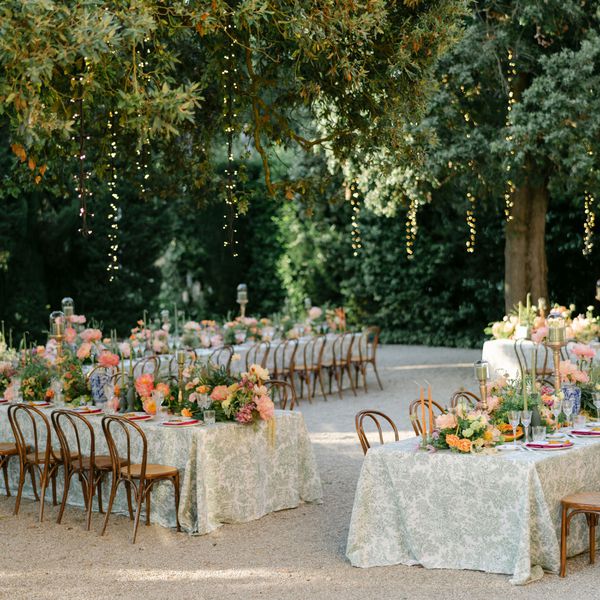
<point>501,354</point>
<point>230,473</point>
<point>495,513</point>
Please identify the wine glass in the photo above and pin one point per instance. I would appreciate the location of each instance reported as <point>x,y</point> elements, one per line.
<point>109,394</point>
<point>514,416</point>
<point>597,404</point>
<point>162,411</point>
<point>526,421</point>
<point>556,410</point>
<point>568,408</point>
<point>57,387</point>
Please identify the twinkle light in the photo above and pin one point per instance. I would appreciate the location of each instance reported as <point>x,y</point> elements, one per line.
<point>411,227</point>
<point>589,224</point>
<point>510,188</point>
<point>230,87</point>
<point>471,223</point>
<point>353,196</point>
<point>114,215</point>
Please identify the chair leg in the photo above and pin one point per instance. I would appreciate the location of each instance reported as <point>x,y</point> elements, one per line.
<point>43,486</point>
<point>129,505</point>
<point>100,477</point>
<point>20,488</point>
<point>338,378</point>
<point>141,492</point>
<point>90,487</point>
<point>148,507</point>
<point>320,373</point>
<point>68,475</point>
<point>563,543</point>
<point>53,481</point>
<point>176,484</point>
<point>592,520</point>
<point>377,374</point>
<point>349,371</point>
<point>111,499</point>
<point>5,471</point>
<point>33,482</point>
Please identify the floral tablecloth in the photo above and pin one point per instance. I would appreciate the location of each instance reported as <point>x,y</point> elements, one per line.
<point>230,473</point>
<point>496,513</point>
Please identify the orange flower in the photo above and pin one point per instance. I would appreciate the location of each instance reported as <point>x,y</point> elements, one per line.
<point>452,440</point>
<point>464,445</point>
<point>488,436</point>
<point>49,394</point>
<point>186,412</point>
<point>203,389</point>
<point>117,390</point>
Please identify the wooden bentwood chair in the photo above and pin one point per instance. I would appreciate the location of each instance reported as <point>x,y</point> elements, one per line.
<point>43,459</point>
<point>374,415</point>
<point>221,357</point>
<point>470,399</point>
<point>140,477</point>
<point>587,503</point>
<point>90,468</point>
<point>282,393</point>
<point>414,412</point>
<point>7,451</point>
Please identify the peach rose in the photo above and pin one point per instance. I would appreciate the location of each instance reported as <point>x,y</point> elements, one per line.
<point>219,393</point>
<point>265,407</point>
<point>70,335</point>
<point>84,351</point>
<point>108,359</point>
<point>446,421</point>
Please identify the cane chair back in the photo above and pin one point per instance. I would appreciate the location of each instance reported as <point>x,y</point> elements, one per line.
<point>284,355</point>
<point>415,414</point>
<point>221,357</point>
<point>258,354</point>
<point>148,364</point>
<point>470,399</point>
<point>375,416</point>
<point>313,352</point>
<point>137,476</point>
<point>372,334</point>
<point>283,393</point>
<point>33,437</point>
<point>522,352</point>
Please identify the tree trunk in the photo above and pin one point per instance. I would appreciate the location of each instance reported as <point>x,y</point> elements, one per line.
<point>525,265</point>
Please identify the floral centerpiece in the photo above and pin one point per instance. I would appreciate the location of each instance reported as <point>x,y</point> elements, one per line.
<point>243,329</point>
<point>74,383</point>
<point>144,385</point>
<point>204,334</point>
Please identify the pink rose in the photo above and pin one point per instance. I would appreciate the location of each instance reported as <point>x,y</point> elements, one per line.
<point>70,335</point>
<point>539,334</point>
<point>91,335</point>
<point>314,313</point>
<point>108,359</point>
<point>157,346</point>
<point>84,350</point>
<point>125,349</point>
<point>219,393</point>
<point>216,341</point>
<point>446,421</point>
<point>77,319</point>
<point>144,385</point>
<point>265,407</point>
<point>583,351</point>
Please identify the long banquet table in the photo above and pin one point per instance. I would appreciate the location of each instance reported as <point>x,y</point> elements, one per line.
<point>498,513</point>
<point>230,473</point>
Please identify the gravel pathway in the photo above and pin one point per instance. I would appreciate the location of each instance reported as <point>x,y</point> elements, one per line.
<point>294,554</point>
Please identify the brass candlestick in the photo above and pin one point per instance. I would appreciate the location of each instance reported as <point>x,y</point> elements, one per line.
<point>242,298</point>
<point>555,347</point>
<point>557,338</point>
<point>482,372</point>
<point>180,365</point>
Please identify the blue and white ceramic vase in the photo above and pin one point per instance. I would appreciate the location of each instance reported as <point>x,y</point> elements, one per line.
<point>572,392</point>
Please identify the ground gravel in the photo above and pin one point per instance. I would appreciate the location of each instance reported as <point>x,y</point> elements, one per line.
<point>294,554</point>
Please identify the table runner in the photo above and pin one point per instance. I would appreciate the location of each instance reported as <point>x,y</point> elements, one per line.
<point>229,472</point>
<point>495,513</point>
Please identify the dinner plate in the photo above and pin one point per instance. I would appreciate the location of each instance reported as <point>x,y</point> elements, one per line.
<point>39,403</point>
<point>507,447</point>
<point>138,416</point>
<point>182,422</point>
<point>85,410</point>
<point>585,433</point>
<point>3,400</point>
<point>593,424</point>
<point>551,447</point>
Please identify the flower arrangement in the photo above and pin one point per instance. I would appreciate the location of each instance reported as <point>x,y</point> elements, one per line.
<point>243,328</point>
<point>464,431</point>
<point>201,335</point>
<point>144,385</point>
<point>75,386</point>
<point>36,377</point>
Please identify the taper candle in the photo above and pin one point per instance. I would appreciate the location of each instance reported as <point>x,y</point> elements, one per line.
<point>429,401</point>
<point>424,422</point>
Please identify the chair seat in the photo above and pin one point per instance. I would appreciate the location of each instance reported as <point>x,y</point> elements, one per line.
<point>102,462</point>
<point>583,500</point>
<point>54,455</point>
<point>152,471</point>
<point>8,449</point>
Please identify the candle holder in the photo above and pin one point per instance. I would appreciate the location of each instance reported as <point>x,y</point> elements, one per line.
<point>242,298</point>
<point>542,307</point>
<point>180,366</point>
<point>57,330</point>
<point>482,373</point>
<point>68,307</point>
<point>557,338</point>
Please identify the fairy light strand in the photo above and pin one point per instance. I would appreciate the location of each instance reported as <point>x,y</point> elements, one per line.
<point>510,187</point>
<point>471,223</point>
<point>114,215</point>
<point>230,88</point>
<point>355,204</point>
<point>589,223</point>
<point>411,228</point>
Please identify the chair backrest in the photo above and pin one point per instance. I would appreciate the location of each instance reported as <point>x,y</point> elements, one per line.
<point>148,364</point>
<point>282,393</point>
<point>190,360</point>
<point>372,334</point>
<point>360,349</point>
<point>31,429</point>
<point>414,412</point>
<point>346,346</point>
<point>258,354</point>
<point>313,350</point>
<point>113,426</point>
<point>221,357</point>
<point>471,400</point>
<point>375,416</point>
<point>69,424</point>
<point>284,355</point>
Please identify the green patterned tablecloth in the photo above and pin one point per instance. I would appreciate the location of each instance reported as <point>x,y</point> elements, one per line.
<point>496,513</point>
<point>230,473</point>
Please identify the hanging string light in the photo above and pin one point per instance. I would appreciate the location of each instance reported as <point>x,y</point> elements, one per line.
<point>411,228</point>
<point>230,87</point>
<point>510,188</point>
<point>114,214</point>
<point>589,224</point>
<point>471,223</point>
<point>352,196</point>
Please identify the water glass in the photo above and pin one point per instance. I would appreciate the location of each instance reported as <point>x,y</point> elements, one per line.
<point>556,410</point>
<point>209,417</point>
<point>597,404</point>
<point>579,422</point>
<point>539,433</point>
<point>567,407</point>
<point>159,398</point>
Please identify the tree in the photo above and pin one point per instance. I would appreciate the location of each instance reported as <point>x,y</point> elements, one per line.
<point>514,122</point>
